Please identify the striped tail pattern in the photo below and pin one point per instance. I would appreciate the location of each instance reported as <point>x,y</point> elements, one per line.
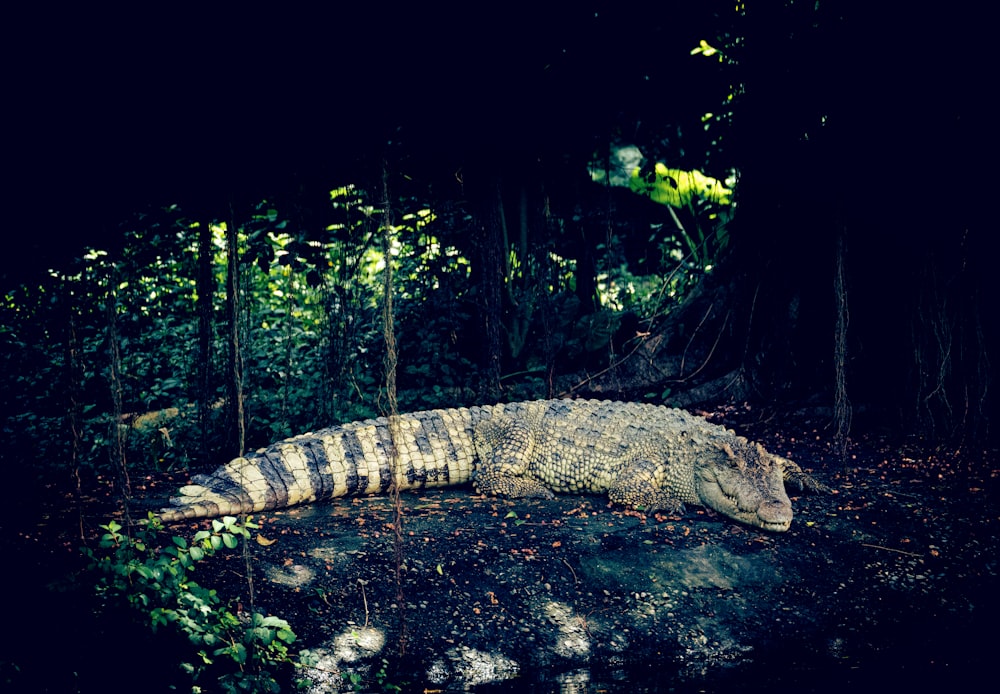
<point>435,448</point>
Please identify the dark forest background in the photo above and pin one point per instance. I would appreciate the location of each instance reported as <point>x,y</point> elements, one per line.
<point>172,178</point>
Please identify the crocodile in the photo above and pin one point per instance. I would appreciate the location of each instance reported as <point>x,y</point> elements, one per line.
<point>650,458</point>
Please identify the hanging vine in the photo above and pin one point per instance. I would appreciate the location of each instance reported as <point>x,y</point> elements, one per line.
<point>841,403</point>
<point>391,363</point>
<point>235,380</point>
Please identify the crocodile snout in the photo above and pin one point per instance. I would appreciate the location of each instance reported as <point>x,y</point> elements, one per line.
<point>775,512</point>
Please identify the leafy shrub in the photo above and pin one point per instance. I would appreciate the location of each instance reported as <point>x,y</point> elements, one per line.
<point>158,584</point>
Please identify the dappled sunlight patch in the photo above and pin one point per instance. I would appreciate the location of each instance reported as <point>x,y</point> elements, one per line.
<point>572,639</point>
<point>325,670</point>
<point>292,575</point>
<point>472,667</point>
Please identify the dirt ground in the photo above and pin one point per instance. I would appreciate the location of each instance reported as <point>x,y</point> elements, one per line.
<point>889,581</point>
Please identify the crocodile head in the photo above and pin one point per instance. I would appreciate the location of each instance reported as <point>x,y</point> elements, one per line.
<point>746,483</point>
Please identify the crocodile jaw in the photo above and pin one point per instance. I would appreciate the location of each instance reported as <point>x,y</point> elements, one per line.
<point>753,494</point>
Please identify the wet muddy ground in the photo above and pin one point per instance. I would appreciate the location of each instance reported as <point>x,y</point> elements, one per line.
<point>891,581</point>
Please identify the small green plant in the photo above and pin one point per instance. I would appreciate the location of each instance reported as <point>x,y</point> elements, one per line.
<point>157,583</point>
<point>357,682</point>
<point>353,679</point>
<point>513,514</point>
<point>382,677</point>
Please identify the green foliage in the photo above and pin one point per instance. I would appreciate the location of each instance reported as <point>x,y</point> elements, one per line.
<point>694,233</point>
<point>312,348</point>
<point>157,583</point>
<point>678,188</point>
<point>383,680</point>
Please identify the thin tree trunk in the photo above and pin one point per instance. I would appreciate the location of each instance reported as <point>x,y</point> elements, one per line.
<point>206,299</point>
<point>234,383</point>
<point>73,409</point>
<point>493,262</point>
<point>117,451</point>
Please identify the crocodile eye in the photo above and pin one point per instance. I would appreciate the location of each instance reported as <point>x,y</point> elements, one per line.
<point>731,458</point>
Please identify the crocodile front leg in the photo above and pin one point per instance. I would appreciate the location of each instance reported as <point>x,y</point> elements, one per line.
<point>635,487</point>
<point>792,473</point>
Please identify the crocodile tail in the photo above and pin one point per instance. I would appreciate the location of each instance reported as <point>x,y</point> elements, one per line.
<point>434,449</point>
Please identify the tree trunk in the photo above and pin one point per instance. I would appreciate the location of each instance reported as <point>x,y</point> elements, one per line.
<point>206,298</point>
<point>234,381</point>
<point>490,280</point>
